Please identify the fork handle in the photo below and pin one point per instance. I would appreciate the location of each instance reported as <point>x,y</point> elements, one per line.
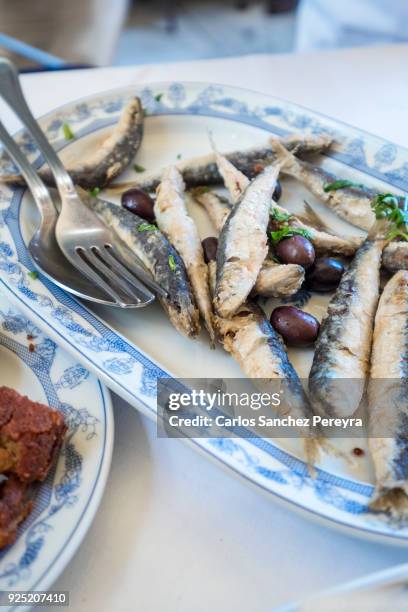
<point>11,92</point>
<point>39,191</point>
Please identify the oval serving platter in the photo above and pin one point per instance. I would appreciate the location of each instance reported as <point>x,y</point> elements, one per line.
<point>130,350</point>
<point>66,502</point>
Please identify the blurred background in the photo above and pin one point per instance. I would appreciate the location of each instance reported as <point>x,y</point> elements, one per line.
<point>121,32</point>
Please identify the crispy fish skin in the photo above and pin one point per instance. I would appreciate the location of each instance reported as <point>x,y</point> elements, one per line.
<point>274,280</point>
<point>259,350</point>
<point>243,243</point>
<point>109,160</point>
<point>342,350</point>
<point>154,251</point>
<point>278,280</point>
<point>388,397</point>
<point>395,256</point>
<point>204,171</point>
<point>350,203</point>
<point>174,221</point>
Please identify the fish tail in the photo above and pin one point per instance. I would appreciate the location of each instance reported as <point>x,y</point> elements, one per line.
<point>312,451</point>
<point>317,446</point>
<point>393,502</point>
<point>286,158</point>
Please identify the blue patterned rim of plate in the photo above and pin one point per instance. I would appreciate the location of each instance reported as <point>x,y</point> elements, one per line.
<point>46,539</point>
<point>339,499</point>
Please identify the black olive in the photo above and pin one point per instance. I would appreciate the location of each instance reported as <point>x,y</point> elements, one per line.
<point>277,194</point>
<point>210,246</point>
<point>325,274</point>
<point>297,328</point>
<point>138,202</point>
<point>296,250</point>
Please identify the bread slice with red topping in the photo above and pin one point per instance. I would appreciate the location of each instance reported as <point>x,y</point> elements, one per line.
<point>31,435</point>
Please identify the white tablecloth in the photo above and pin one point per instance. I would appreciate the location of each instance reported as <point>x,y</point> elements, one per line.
<point>174,532</point>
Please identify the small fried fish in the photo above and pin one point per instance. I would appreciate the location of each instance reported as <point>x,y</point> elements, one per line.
<point>251,340</point>
<point>388,398</point>
<point>352,203</point>
<point>203,170</point>
<point>159,257</point>
<point>243,243</point>
<point>174,221</point>
<point>108,160</point>
<point>274,279</point>
<point>395,256</point>
<point>342,350</point>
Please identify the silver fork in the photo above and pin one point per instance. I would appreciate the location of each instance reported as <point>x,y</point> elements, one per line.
<point>84,240</point>
<point>43,246</point>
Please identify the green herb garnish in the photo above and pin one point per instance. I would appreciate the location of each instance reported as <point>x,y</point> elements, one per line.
<point>172,263</point>
<point>146,227</point>
<point>386,205</point>
<point>279,216</point>
<point>68,133</point>
<point>158,97</point>
<point>33,275</point>
<point>94,192</point>
<point>288,232</point>
<point>138,168</point>
<point>179,156</point>
<point>394,210</point>
<point>341,184</point>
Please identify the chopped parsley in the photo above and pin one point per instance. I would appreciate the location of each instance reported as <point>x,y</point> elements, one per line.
<point>68,133</point>
<point>179,156</point>
<point>341,184</point>
<point>94,192</point>
<point>288,232</point>
<point>279,216</point>
<point>146,227</point>
<point>172,263</point>
<point>33,274</point>
<point>394,210</point>
<point>158,97</point>
<point>138,168</point>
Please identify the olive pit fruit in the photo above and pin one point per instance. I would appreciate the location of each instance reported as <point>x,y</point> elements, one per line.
<point>297,328</point>
<point>138,202</point>
<point>296,250</point>
<point>325,274</point>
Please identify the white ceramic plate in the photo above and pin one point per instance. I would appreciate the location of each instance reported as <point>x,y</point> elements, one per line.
<point>129,350</point>
<point>66,502</point>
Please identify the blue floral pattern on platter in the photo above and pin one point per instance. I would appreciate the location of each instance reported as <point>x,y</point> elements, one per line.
<point>59,503</point>
<point>126,368</point>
